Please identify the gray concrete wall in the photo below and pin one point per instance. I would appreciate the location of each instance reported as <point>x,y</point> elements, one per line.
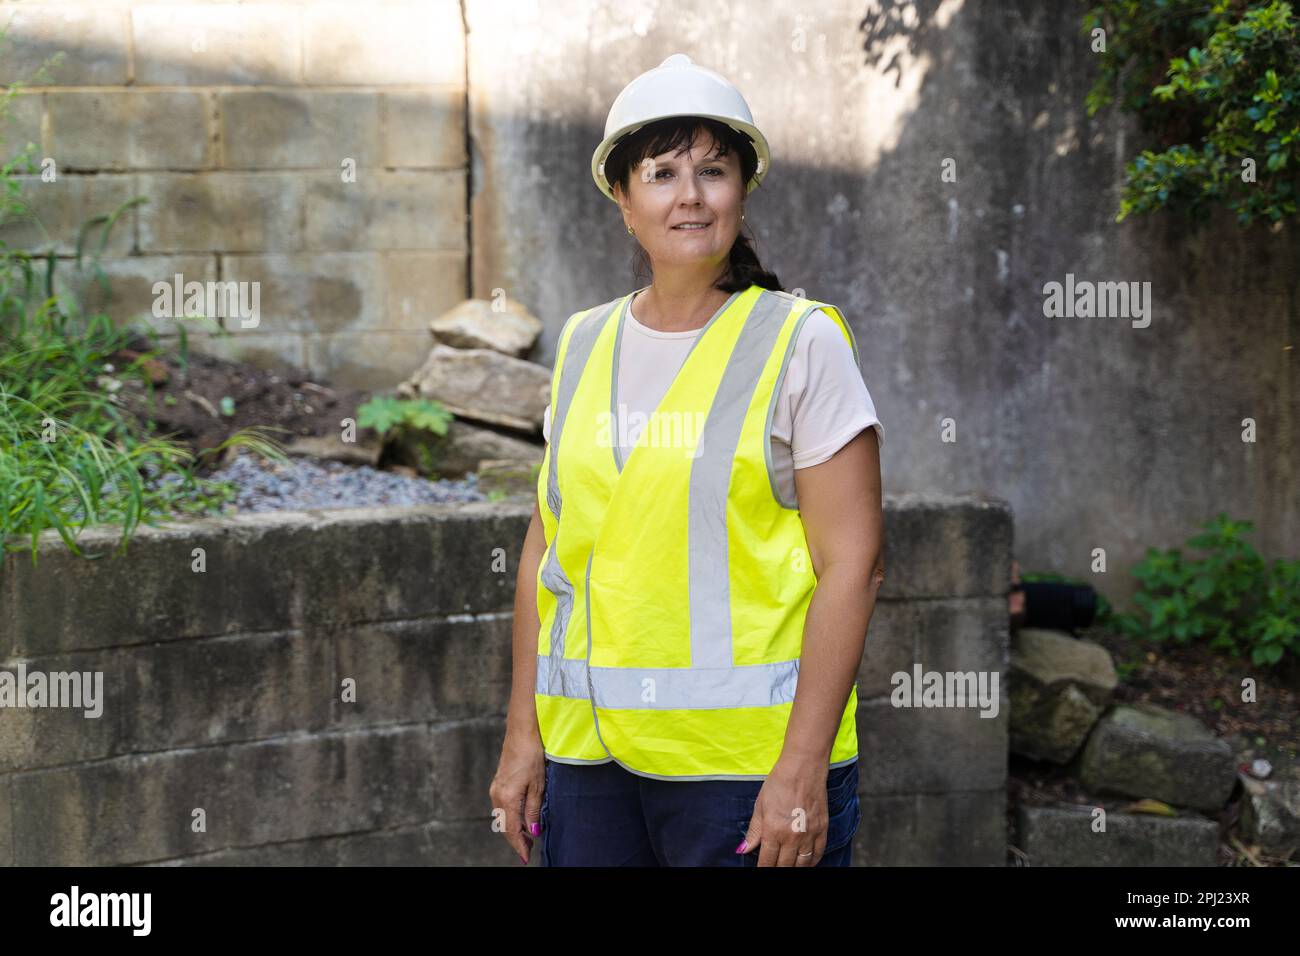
<point>224,689</point>
<point>316,148</point>
<point>233,119</point>
<point>1101,435</point>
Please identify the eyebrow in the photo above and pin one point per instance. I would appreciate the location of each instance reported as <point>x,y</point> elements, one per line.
<point>673,161</point>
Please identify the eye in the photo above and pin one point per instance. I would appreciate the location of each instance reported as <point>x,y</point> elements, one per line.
<point>715,169</point>
<point>660,171</point>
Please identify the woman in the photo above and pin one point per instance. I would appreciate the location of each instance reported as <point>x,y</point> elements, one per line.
<point>695,586</point>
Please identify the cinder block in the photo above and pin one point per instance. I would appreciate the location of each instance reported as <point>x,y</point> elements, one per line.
<point>298,129</point>
<point>270,350</point>
<point>317,292</point>
<point>470,843</point>
<point>221,212</point>
<point>944,546</point>
<point>962,828</point>
<point>63,206</point>
<point>261,571</point>
<point>961,634</point>
<point>241,585</point>
<point>407,210</point>
<point>931,749</point>
<point>46,736</point>
<point>91,36</point>
<point>420,286</point>
<point>964,635</point>
<point>425,128</point>
<point>141,808</point>
<point>23,125</point>
<point>1067,836</point>
<point>131,296</point>
<point>467,843</point>
<point>424,670</point>
<point>121,130</point>
<point>252,686</point>
<point>366,360</point>
<point>210,44</point>
<point>419,42</point>
<point>464,757</point>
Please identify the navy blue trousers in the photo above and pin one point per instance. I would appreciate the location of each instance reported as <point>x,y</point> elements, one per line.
<point>604,815</point>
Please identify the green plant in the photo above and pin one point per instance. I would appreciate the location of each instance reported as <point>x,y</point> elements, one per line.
<point>69,455</point>
<point>1125,669</point>
<point>1229,596</point>
<point>1217,86</point>
<point>407,416</point>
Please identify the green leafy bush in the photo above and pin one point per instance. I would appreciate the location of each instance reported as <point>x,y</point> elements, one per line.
<point>1217,86</point>
<point>70,456</point>
<point>386,412</point>
<point>1230,596</point>
<point>408,416</point>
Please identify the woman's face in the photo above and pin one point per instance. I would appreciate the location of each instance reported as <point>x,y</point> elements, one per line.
<point>691,185</point>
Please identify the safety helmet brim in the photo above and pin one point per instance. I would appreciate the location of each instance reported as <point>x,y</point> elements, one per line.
<point>748,130</point>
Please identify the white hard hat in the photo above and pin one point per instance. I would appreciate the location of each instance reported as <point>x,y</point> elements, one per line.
<point>677,87</point>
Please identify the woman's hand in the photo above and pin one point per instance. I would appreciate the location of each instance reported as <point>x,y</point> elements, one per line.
<point>790,815</point>
<point>517,789</point>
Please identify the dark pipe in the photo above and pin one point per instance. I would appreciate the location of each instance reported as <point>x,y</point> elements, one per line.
<point>1062,607</point>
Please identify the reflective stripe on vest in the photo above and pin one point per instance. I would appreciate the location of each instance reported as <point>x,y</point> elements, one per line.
<point>674,587</point>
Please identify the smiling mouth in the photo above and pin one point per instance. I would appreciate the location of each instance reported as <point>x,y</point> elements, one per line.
<point>692,227</point>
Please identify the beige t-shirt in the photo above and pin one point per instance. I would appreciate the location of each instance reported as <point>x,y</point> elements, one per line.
<point>823,404</point>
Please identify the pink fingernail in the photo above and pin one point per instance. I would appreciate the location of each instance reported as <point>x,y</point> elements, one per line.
<point>743,844</point>
<point>536,828</point>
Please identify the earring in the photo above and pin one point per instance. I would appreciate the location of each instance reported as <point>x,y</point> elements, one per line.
<point>630,232</point>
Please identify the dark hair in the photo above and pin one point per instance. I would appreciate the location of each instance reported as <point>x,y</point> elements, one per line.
<point>676,132</point>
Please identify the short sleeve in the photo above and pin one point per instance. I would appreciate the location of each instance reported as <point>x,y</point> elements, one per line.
<point>825,401</point>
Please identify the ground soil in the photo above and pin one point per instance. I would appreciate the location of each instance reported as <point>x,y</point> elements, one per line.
<point>186,401</point>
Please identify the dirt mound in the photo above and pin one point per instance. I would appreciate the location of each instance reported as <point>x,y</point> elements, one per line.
<point>204,403</point>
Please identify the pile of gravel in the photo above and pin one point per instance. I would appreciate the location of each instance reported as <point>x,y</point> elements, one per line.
<point>301,483</point>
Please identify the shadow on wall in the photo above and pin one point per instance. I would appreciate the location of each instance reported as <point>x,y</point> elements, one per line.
<point>1102,435</point>
<point>1099,434</point>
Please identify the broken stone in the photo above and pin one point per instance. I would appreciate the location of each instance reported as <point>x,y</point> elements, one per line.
<point>1148,751</point>
<point>502,325</point>
<point>483,385</point>
<point>1059,688</point>
<point>462,450</point>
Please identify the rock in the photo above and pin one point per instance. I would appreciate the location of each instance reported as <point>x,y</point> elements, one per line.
<point>364,451</point>
<point>1059,688</point>
<point>484,385</point>
<point>1066,836</point>
<point>481,324</point>
<point>1270,813</point>
<point>463,449</point>
<point>508,477</point>
<point>1149,751</point>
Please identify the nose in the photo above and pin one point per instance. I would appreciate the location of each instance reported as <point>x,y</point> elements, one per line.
<point>689,193</point>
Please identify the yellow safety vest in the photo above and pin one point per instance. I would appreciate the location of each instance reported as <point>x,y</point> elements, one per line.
<point>674,587</point>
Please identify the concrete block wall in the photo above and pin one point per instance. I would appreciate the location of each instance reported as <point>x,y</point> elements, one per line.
<point>241,124</point>
<point>224,689</point>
